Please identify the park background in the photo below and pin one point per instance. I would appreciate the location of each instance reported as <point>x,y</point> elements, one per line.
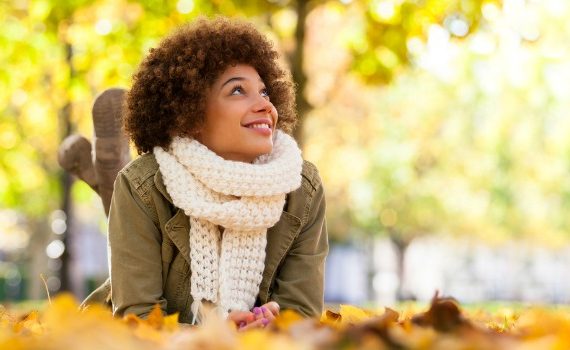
<point>440,129</point>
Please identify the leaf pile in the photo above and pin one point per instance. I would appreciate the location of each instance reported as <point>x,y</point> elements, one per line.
<point>443,326</point>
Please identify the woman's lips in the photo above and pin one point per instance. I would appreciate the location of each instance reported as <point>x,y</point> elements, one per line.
<point>260,126</point>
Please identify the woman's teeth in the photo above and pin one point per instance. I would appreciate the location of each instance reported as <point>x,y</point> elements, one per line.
<point>259,126</point>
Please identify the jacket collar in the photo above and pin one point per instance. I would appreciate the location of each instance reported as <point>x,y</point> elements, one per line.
<point>159,183</point>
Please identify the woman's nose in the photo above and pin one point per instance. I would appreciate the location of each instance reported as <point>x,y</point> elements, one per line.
<point>263,105</point>
<point>267,108</point>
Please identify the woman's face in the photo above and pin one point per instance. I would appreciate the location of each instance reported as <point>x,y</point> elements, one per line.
<point>240,120</point>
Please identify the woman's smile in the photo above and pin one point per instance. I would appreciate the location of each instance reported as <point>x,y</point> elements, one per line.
<point>260,126</point>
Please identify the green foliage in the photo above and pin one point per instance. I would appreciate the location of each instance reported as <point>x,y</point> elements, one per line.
<point>56,56</point>
<point>393,27</point>
<point>472,140</point>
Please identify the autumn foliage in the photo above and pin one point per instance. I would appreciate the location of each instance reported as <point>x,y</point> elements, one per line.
<point>443,326</point>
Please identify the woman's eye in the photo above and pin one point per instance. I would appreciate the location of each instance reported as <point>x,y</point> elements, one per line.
<point>237,90</point>
<point>264,93</point>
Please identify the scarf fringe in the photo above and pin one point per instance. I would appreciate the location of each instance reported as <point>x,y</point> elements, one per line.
<point>196,308</point>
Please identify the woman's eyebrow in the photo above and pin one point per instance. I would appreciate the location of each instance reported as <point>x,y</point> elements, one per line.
<point>232,79</point>
<point>238,79</point>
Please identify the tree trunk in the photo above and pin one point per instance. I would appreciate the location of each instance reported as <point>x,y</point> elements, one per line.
<point>299,76</point>
<point>401,244</point>
<point>66,182</point>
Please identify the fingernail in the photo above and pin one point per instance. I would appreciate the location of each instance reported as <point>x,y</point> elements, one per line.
<point>256,310</point>
<point>265,321</point>
<point>263,309</point>
<point>241,324</point>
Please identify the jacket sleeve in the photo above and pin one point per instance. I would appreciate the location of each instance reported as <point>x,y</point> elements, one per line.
<point>299,284</point>
<point>134,244</point>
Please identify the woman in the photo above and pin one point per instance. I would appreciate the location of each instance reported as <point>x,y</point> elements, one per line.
<point>219,209</point>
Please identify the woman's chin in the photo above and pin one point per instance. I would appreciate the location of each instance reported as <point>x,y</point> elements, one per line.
<point>265,148</point>
<point>261,152</point>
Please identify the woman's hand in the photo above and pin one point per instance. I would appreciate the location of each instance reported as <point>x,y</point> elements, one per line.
<point>259,317</point>
<point>241,318</point>
<point>273,307</point>
<point>264,315</point>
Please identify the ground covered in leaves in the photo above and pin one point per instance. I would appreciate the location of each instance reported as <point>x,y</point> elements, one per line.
<point>444,325</point>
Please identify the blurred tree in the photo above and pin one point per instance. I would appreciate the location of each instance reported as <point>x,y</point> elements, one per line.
<point>57,56</point>
<point>52,65</point>
<point>471,141</point>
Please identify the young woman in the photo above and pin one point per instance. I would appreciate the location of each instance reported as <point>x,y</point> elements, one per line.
<point>220,209</point>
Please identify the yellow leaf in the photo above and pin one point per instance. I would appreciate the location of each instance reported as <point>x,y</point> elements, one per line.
<point>352,315</point>
<point>155,318</point>
<point>147,332</point>
<point>286,319</point>
<point>331,318</point>
<point>30,324</point>
<point>171,323</point>
<point>259,339</point>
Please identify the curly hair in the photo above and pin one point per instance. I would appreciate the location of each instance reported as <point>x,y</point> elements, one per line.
<point>168,96</point>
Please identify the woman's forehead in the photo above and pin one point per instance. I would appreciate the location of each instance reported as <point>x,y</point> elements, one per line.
<point>244,71</point>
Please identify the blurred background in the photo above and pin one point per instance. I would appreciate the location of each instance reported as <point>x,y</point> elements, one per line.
<point>440,129</point>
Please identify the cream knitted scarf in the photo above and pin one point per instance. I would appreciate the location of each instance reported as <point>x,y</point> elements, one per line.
<point>245,199</point>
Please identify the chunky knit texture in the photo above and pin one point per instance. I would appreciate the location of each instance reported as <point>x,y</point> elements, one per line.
<point>244,199</point>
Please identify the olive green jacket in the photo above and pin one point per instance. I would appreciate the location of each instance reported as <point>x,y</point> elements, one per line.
<point>149,248</point>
